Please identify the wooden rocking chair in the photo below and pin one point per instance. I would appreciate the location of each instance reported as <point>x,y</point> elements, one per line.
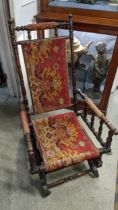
<point>59,140</point>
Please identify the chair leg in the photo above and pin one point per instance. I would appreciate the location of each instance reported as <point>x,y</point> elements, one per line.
<point>98,162</point>
<point>44,187</point>
<point>93,168</point>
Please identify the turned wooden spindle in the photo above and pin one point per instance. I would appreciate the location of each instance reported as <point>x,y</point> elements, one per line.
<point>73,64</point>
<point>97,112</point>
<point>109,139</point>
<point>28,141</point>
<point>92,120</point>
<point>100,128</point>
<point>56,32</point>
<point>29,35</point>
<point>19,71</point>
<point>85,111</point>
<point>41,26</point>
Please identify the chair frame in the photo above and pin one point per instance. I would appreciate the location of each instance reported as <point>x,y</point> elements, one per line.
<point>35,159</point>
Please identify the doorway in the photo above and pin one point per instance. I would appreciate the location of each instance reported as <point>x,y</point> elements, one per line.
<point>8,86</point>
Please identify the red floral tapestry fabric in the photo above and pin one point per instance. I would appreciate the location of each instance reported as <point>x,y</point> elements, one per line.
<point>46,66</point>
<point>62,141</point>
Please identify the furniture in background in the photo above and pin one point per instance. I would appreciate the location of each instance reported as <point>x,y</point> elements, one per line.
<point>57,140</point>
<point>91,20</point>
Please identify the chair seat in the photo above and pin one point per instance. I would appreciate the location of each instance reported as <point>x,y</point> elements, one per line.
<point>62,141</point>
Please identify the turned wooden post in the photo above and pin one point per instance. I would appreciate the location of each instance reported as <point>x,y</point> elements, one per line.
<point>92,120</point>
<point>100,129</point>
<point>73,64</point>
<point>56,32</point>
<point>27,134</point>
<point>109,140</point>
<point>29,35</point>
<point>85,112</point>
<point>14,43</point>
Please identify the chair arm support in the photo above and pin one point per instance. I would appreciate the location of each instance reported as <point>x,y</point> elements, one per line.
<point>26,129</point>
<point>24,121</point>
<point>27,134</point>
<point>99,114</point>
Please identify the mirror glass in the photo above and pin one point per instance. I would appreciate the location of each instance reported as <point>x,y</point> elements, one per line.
<point>103,5</point>
<point>92,54</point>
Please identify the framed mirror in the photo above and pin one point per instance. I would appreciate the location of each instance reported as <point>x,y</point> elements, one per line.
<point>101,5</point>
<point>93,8</point>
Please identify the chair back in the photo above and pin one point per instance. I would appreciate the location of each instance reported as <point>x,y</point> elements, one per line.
<point>47,71</point>
<point>46,67</point>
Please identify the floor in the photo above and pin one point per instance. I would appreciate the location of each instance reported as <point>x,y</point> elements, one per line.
<point>19,190</point>
<point>116,195</point>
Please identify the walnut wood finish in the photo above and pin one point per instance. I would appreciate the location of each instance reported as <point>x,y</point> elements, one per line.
<point>98,113</point>
<point>35,158</point>
<point>83,23</point>
<point>93,130</point>
<point>29,35</point>
<point>100,128</point>
<point>92,120</point>
<point>19,71</point>
<point>103,120</point>
<point>24,108</point>
<point>27,134</point>
<point>66,179</point>
<point>41,26</point>
<point>73,65</point>
<point>23,117</point>
<point>110,78</point>
<point>44,186</point>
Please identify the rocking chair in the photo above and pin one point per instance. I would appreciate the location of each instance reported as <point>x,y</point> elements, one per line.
<point>59,140</point>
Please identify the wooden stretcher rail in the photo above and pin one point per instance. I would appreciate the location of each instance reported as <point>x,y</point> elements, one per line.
<point>41,26</point>
<point>66,179</point>
<point>99,114</point>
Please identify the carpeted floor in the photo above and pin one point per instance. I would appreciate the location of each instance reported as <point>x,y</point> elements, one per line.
<point>19,190</point>
<point>116,193</point>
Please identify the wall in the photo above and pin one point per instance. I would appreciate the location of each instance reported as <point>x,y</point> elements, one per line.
<point>23,14</point>
<point>5,50</point>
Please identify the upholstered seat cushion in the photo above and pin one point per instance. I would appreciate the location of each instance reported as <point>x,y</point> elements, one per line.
<point>62,141</point>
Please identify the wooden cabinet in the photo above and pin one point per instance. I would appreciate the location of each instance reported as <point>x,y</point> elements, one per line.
<point>88,20</point>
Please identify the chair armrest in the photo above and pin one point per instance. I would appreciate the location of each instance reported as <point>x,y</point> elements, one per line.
<point>98,113</point>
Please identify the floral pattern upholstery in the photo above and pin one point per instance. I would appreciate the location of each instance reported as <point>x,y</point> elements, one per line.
<point>62,141</point>
<point>46,66</point>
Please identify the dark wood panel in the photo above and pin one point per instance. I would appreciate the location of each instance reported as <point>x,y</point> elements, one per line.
<point>110,77</point>
<point>89,24</point>
<point>83,12</point>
